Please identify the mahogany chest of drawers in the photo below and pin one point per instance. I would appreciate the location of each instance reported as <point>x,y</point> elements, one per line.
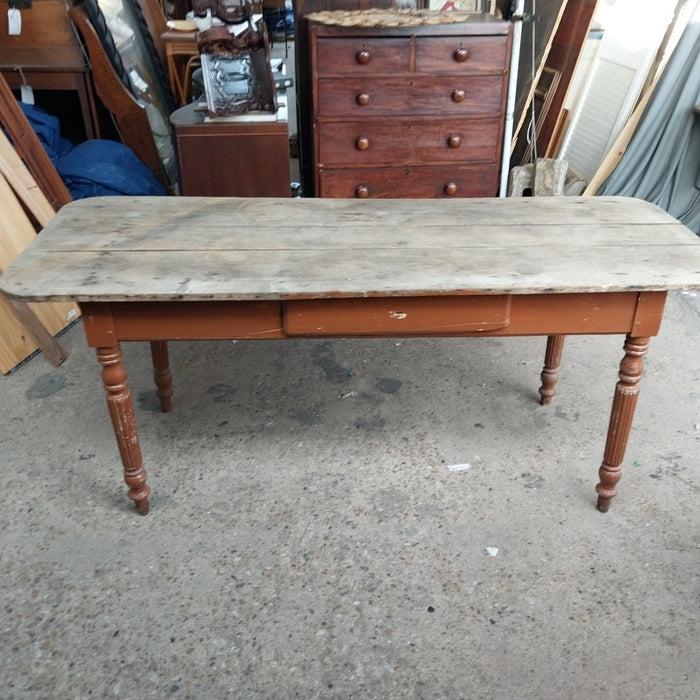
<point>408,111</point>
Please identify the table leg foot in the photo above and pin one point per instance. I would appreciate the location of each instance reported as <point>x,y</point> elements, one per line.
<point>121,411</point>
<point>603,503</point>
<point>142,507</point>
<point>621,416</point>
<point>550,371</point>
<point>161,374</point>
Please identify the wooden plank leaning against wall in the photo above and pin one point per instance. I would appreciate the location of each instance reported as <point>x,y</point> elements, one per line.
<point>24,328</point>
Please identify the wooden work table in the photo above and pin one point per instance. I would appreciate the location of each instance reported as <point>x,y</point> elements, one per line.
<point>160,269</point>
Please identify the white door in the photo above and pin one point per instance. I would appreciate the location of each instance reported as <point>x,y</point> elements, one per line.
<point>632,33</point>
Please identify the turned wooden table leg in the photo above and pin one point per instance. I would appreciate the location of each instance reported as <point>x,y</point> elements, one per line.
<point>121,410</point>
<point>624,403</point>
<point>550,371</point>
<point>161,374</point>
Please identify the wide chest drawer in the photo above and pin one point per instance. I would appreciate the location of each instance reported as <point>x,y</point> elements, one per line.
<point>363,97</point>
<point>418,182</point>
<point>408,141</point>
<point>446,55</point>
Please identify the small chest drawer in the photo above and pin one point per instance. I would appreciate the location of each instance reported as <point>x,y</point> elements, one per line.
<point>362,56</point>
<point>409,141</point>
<point>365,97</point>
<point>418,182</point>
<point>461,54</point>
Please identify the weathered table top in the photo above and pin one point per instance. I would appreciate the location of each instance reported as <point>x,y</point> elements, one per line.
<point>180,248</point>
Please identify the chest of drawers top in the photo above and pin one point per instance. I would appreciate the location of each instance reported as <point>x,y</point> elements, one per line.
<point>475,47</point>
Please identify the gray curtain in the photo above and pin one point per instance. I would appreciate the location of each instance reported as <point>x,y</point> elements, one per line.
<point>662,161</point>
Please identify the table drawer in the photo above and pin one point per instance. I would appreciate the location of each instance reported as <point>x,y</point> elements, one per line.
<point>409,141</point>
<point>444,315</point>
<point>363,97</point>
<point>461,55</point>
<point>362,56</point>
<point>413,183</point>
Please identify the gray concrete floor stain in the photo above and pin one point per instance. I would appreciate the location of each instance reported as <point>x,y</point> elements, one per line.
<point>45,386</point>
<point>308,540</point>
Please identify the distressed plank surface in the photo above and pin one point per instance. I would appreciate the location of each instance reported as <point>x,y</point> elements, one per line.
<point>111,249</point>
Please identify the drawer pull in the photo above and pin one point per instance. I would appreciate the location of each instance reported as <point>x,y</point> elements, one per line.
<point>451,189</point>
<point>461,54</point>
<point>362,192</point>
<point>458,95</point>
<point>362,144</point>
<point>362,99</point>
<point>363,57</point>
<point>454,141</point>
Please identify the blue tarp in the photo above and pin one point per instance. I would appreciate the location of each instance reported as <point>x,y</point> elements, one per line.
<point>92,168</point>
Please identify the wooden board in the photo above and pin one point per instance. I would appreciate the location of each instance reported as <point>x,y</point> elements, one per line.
<point>209,248</point>
<point>24,185</point>
<point>567,44</point>
<point>29,148</point>
<point>549,13</point>
<point>16,341</point>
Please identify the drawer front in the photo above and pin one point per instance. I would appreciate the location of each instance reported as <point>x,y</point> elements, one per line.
<point>362,97</point>
<point>409,141</point>
<point>461,55</point>
<point>447,315</point>
<point>362,56</point>
<point>412,183</point>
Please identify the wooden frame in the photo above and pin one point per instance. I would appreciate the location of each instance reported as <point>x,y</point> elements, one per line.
<point>132,122</point>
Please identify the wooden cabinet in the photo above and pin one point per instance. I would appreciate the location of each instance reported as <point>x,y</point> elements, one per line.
<point>231,158</point>
<point>47,56</point>
<point>408,111</point>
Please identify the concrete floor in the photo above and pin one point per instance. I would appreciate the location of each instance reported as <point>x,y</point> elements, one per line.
<point>307,538</point>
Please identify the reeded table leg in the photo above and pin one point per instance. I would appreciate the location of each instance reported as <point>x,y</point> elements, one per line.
<point>121,410</point>
<point>550,371</point>
<point>624,403</point>
<point>161,374</point>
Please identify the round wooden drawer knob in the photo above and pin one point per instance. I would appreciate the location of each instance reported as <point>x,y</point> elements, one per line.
<point>362,99</point>
<point>363,57</point>
<point>454,141</point>
<point>362,191</point>
<point>461,54</point>
<point>451,189</point>
<point>362,144</point>
<point>458,95</point>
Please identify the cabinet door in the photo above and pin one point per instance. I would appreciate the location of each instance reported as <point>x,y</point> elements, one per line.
<point>234,161</point>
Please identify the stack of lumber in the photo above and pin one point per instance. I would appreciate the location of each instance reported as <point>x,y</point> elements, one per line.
<point>25,328</point>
